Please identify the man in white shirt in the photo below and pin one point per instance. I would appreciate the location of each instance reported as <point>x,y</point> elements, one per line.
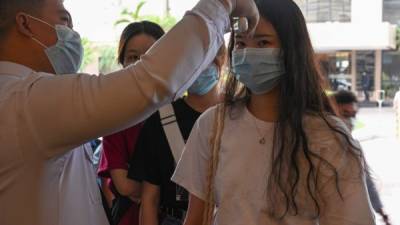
<point>43,116</point>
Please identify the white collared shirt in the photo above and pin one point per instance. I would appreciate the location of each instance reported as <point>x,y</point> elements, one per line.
<point>43,116</point>
<point>70,194</point>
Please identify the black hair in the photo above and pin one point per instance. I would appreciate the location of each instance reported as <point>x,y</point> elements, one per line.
<point>134,29</point>
<point>345,97</point>
<point>301,93</point>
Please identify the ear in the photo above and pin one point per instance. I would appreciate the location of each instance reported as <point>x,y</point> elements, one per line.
<point>23,24</point>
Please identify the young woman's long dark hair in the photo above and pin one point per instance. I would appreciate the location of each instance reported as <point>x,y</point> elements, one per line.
<point>133,29</point>
<point>302,92</point>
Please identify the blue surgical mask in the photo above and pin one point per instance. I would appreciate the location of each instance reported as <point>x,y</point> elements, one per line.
<point>67,54</point>
<point>259,69</point>
<point>205,82</point>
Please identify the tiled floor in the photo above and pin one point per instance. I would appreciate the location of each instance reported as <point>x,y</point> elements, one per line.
<point>382,151</point>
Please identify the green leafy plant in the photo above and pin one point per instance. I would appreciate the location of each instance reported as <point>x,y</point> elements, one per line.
<point>130,16</point>
<point>166,22</point>
<point>127,16</point>
<point>89,53</point>
<point>108,59</point>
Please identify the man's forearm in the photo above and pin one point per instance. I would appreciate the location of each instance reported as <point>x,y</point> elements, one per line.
<point>84,107</point>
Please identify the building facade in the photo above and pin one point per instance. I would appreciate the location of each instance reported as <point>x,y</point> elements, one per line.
<point>391,58</point>
<point>352,39</point>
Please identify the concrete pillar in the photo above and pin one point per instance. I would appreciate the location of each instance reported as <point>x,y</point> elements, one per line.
<point>354,71</point>
<point>378,73</point>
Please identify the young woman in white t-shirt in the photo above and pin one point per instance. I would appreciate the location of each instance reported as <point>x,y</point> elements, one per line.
<point>274,152</point>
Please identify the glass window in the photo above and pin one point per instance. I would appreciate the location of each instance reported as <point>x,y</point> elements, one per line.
<point>391,11</point>
<point>391,72</point>
<point>337,68</point>
<point>391,59</point>
<point>326,10</point>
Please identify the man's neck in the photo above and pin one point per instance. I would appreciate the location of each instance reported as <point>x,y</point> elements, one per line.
<point>17,51</point>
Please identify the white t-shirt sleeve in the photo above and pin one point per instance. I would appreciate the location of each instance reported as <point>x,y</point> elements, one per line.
<point>352,206</point>
<point>59,113</point>
<point>192,168</point>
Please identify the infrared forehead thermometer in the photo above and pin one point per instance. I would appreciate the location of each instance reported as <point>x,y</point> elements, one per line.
<point>240,24</point>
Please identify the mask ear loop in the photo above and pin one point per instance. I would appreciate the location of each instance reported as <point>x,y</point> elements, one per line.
<point>42,21</point>
<point>40,43</point>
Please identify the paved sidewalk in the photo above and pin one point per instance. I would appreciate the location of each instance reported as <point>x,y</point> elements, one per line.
<point>382,151</point>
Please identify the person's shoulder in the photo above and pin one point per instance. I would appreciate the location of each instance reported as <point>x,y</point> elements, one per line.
<point>327,131</point>
<point>152,120</point>
<point>228,114</point>
<point>207,117</point>
<point>330,138</point>
<point>123,133</point>
<point>206,120</point>
<point>183,109</point>
<point>324,124</point>
<point>123,136</point>
<point>178,103</point>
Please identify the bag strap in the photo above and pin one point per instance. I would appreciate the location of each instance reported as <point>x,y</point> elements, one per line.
<point>172,131</point>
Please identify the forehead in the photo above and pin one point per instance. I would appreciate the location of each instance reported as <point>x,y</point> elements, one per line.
<point>55,7</point>
<point>263,28</point>
<point>140,43</point>
<point>54,12</point>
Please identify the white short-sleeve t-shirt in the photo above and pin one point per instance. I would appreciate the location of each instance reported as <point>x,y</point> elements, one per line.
<point>244,166</point>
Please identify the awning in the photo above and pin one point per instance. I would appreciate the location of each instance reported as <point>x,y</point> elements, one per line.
<point>352,36</point>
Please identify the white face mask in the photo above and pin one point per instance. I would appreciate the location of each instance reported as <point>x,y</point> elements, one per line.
<point>259,69</point>
<point>67,54</point>
<point>205,82</point>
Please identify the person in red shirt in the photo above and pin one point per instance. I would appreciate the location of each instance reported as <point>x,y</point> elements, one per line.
<point>122,194</point>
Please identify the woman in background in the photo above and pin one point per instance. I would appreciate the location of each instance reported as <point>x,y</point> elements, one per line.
<point>164,202</point>
<point>274,153</point>
<point>122,193</point>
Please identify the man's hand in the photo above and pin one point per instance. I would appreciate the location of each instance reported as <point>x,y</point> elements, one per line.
<point>244,8</point>
<point>385,217</point>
